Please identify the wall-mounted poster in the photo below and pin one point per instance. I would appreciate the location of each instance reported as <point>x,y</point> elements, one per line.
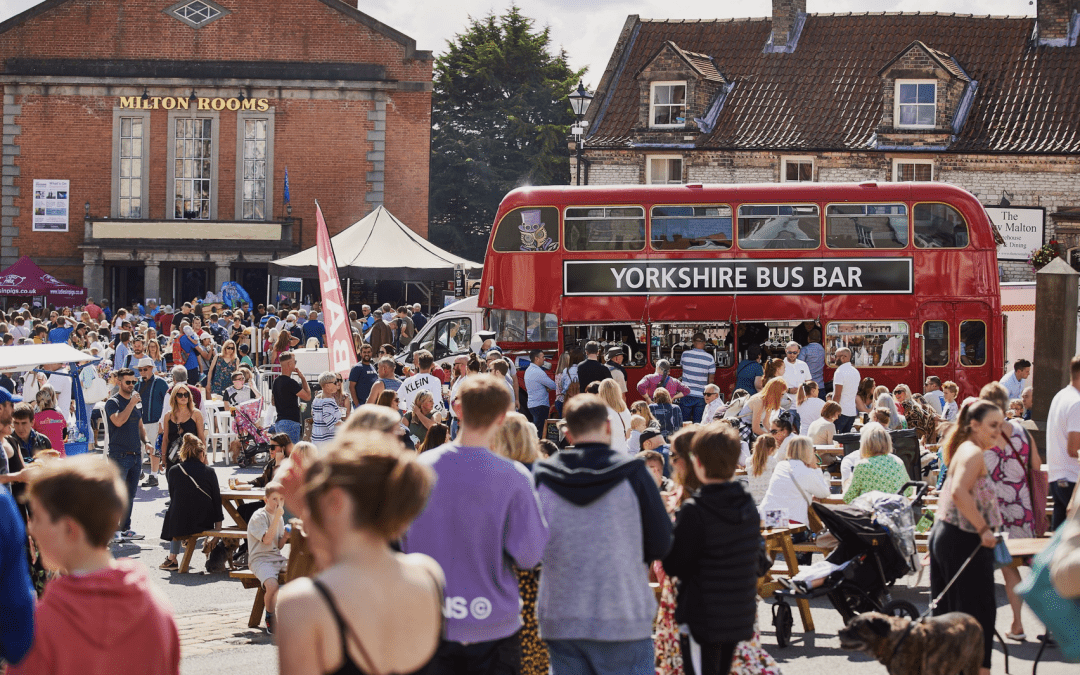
<point>51,202</point>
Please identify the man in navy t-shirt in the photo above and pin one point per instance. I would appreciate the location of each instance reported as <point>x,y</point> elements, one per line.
<point>362,376</point>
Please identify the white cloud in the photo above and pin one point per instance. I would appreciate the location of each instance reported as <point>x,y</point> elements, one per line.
<point>588,29</point>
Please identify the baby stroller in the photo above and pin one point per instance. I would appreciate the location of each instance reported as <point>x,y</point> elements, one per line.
<point>254,441</point>
<point>876,535</point>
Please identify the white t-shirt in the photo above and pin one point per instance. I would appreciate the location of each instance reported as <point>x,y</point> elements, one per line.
<point>414,384</point>
<point>783,494</point>
<point>62,385</point>
<point>936,399</point>
<point>1063,418</point>
<point>809,412</point>
<point>796,373</point>
<point>258,526</point>
<point>848,377</point>
<point>821,431</point>
<point>620,424</point>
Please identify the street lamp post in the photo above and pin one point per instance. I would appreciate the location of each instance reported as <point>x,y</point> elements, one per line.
<point>579,101</point>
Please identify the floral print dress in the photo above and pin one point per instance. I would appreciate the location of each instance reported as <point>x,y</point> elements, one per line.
<point>1007,468</point>
<point>749,659</point>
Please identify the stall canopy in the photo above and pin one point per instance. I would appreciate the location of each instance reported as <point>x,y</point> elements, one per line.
<point>379,248</point>
<point>26,279</point>
<point>18,358</point>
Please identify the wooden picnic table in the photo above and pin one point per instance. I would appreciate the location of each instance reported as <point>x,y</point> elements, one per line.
<point>778,540</point>
<point>230,499</point>
<point>1022,548</point>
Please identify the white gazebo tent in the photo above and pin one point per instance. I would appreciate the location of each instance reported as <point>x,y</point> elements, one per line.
<point>379,247</point>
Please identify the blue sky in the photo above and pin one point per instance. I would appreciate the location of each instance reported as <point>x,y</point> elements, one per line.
<point>588,29</point>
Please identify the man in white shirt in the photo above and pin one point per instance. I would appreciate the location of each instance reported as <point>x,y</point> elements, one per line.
<point>423,380</point>
<point>932,394</point>
<point>1063,443</point>
<point>845,385</point>
<point>795,371</point>
<point>1016,380</point>
<point>714,403</point>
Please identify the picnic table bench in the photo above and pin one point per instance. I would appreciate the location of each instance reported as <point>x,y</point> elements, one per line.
<point>191,541</point>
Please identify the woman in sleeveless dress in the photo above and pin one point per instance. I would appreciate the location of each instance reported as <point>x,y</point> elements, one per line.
<point>967,517</point>
<point>219,377</point>
<point>1007,464</point>
<point>370,610</point>
<point>183,418</point>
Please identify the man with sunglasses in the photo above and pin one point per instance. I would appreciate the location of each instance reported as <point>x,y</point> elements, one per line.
<point>127,438</point>
<point>152,389</point>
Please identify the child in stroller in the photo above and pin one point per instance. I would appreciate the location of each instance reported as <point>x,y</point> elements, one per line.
<point>251,439</point>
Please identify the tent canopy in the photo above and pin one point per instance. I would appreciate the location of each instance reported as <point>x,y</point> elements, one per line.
<point>24,278</point>
<point>379,247</point>
<point>23,357</point>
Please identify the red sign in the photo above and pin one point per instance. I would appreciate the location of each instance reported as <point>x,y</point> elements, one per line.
<point>339,340</point>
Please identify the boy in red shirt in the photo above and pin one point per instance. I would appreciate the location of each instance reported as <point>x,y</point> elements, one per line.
<point>103,612</point>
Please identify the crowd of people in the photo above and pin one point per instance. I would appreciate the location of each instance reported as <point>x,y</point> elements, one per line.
<point>423,567</point>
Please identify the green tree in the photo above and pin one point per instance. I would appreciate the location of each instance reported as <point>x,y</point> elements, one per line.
<point>500,117</point>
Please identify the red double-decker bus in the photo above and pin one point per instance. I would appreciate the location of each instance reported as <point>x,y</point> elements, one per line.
<point>904,274</point>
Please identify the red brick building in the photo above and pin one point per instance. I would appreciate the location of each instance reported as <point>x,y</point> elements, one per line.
<point>174,122</point>
<point>988,103</point>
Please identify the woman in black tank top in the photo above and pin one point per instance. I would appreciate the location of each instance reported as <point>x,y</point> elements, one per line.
<point>384,608</point>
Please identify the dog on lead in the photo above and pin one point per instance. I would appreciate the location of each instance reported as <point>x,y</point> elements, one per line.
<point>950,644</point>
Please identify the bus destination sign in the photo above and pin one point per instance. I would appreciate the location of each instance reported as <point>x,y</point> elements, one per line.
<point>790,276</point>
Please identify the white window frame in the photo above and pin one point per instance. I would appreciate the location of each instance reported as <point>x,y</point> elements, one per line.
<point>896,105</point>
<point>896,168</point>
<point>118,115</point>
<point>664,158</point>
<point>795,159</point>
<point>215,149</point>
<point>241,118</point>
<point>652,106</point>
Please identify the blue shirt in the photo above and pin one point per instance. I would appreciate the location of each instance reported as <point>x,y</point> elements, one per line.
<point>188,345</point>
<point>418,320</point>
<point>315,329</point>
<point>124,438</point>
<point>1014,386</point>
<point>59,335</point>
<point>16,592</point>
<point>813,355</point>
<point>697,365</point>
<point>537,384</point>
<point>364,376</point>
<point>745,374</point>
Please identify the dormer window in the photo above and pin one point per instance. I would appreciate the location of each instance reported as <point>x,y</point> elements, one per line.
<point>916,103</point>
<point>667,105</point>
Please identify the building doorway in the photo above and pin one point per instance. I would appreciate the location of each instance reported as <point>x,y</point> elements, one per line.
<point>125,284</point>
<point>192,282</point>
<point>253,280</point>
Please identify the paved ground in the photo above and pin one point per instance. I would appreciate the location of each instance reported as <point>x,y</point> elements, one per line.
<point>212,611</point>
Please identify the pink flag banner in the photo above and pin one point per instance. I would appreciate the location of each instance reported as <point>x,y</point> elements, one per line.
<point>339,340</point>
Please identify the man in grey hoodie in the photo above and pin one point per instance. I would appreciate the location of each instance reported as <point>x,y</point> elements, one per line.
<point>607,523</point>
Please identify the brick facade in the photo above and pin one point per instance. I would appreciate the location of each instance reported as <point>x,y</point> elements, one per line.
<point>350,100</point>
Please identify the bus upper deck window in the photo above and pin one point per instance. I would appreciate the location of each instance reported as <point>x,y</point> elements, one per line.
<point>779,226</point>
<point>529,229</point>
<point>866,226</point>
<point>690,228</point>
<point>972,343</point>
<point>939,226</point>
<point>605,228</point>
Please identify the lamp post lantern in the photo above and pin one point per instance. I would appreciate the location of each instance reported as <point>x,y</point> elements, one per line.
<point>579,101</point>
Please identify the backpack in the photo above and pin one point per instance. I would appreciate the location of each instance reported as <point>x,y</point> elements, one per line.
<point>179,356</point>
<point>572,389</point>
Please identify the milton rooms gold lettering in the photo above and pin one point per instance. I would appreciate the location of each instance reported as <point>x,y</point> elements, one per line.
<point>183,103</point>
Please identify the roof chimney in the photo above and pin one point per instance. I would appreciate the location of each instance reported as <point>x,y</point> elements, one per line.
<point>1057,25</point>
<point>785,15</point>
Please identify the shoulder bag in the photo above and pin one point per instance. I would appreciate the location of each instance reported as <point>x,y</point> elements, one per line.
<point>1060,616</point>
<point>197,486</point>
<point>812,520</point>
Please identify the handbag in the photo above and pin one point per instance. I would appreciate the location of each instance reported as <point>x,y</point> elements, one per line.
<point>1060,616</point>
<point>174,451</point>
<point>1002,557</point>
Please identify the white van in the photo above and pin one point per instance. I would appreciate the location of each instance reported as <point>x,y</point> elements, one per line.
<point>448,333</point>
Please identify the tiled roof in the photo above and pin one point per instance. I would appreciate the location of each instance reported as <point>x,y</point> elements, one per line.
<point>827,94</point>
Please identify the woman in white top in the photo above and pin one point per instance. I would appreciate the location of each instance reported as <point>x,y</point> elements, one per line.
<point>822,430</point>
<point>617,414</point>
<point>762,464</point>
<point>326,414</point>
<point>808,405</point>
<point>796,481</point>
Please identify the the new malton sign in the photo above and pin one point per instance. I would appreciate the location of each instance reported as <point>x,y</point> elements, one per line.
<point>802,276</point>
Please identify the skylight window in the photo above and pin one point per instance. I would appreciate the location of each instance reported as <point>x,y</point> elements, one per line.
<point>197,13</point>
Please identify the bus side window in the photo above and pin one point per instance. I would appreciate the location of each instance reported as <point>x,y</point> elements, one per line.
<point>531,229</point>
<point>779,227</point>
<point>972,343</point>
<point>866,226</point>
<point>603,228</point>
<point>939,226</point>
<point>873,344</point>
<point>688,228</point>
<point>935,343</point>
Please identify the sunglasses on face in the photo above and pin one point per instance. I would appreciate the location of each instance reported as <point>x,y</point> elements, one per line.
<point>183,396</point>
<point>229,349</point>
<point>131,382</point>
<point>795,353</point>
<point>145,368</point>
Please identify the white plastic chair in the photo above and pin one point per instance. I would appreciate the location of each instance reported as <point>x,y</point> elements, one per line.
<point>221,431</point>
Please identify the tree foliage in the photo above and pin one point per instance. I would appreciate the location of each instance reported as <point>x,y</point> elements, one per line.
<point>500,117</point>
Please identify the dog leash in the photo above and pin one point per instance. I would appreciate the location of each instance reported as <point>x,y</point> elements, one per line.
<point>934,602</point>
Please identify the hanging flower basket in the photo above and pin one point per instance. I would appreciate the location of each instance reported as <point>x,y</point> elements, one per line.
<point>1044,255</point>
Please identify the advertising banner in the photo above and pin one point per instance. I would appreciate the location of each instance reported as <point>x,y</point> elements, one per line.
<point>1021,227</point>
<point>51,202</point>
<point>339,341</point>
<point>791,276</point>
